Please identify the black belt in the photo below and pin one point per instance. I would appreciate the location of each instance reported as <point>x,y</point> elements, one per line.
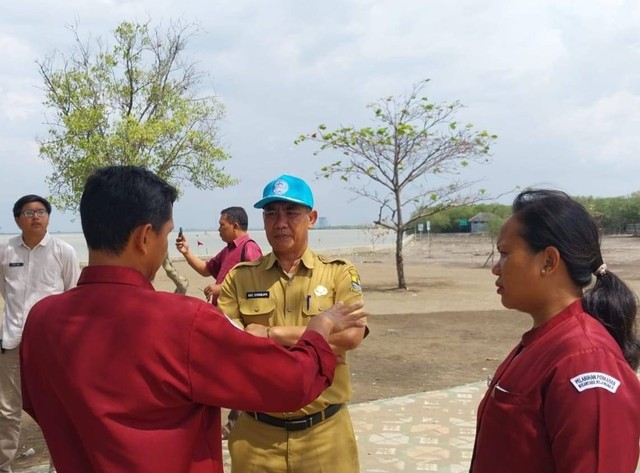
<point>297,423</point>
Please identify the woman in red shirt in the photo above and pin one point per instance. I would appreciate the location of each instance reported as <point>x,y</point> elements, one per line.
<point>567,398</point>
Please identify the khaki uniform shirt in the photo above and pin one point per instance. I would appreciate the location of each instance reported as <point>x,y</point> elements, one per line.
<point>261,292</point>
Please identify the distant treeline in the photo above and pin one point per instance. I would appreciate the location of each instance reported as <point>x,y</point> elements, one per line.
<point>614,215</point>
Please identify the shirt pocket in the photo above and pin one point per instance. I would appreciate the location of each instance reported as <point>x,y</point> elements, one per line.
<point>257,311</point>
<point>314,305</point>
<point>49,280</point>
<point>511,412</point>
<point>506,398</point>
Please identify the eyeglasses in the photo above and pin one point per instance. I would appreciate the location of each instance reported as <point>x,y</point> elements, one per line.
<point>32,213</point>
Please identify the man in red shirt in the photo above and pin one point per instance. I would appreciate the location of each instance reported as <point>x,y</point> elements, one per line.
<point>232,228</point>
<point>123,378</point>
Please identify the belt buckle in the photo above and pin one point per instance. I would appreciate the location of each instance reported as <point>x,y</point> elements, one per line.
<point>299,424</point>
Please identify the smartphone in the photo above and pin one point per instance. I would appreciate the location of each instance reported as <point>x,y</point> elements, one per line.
<point>180,235</point>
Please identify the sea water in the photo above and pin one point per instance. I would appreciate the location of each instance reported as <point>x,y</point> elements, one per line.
<point>207,243</point>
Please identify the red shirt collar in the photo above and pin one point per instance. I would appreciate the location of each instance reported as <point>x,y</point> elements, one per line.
<point>114,275</point>
<point>568,312</point>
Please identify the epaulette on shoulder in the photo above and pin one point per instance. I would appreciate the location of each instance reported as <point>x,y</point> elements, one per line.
<point>249,263</point>
<point>333,259</point>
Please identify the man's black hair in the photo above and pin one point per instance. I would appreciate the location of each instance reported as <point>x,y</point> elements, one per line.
<point>237,215</point>
<point>118,199</point>
<point>27,199</point>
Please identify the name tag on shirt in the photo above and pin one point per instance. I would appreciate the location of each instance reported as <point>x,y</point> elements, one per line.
<point>15,265</point>
<point>258,295</point>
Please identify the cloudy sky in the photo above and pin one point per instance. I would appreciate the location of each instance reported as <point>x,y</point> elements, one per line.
<point>557,80</point>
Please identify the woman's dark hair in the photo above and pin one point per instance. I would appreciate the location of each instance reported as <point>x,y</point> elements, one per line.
<point>552,218</point>
<point>117,199</point>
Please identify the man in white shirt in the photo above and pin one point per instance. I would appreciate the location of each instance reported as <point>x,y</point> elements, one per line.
<point>33,265</point>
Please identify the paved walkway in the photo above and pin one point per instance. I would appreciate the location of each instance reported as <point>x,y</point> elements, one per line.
<point>429,431</point>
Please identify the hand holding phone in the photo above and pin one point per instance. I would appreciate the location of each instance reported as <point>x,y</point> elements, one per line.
<point>181,243</point>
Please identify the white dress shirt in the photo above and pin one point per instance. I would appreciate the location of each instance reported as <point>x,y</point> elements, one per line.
<point>30,274</point>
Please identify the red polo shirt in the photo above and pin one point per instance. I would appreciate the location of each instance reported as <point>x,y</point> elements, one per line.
<point>122,378</point>
<point>232,254</point>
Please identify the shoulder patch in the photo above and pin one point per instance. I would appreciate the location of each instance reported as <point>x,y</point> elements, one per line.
<point>356,286</point>
<point>593,380</point>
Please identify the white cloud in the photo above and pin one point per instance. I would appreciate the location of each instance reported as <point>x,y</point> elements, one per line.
<point>605,131</point>
<point>13,49</point>
<point>16,106</point>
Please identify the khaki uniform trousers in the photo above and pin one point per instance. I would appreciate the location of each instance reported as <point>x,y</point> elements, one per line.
<point>328,447</point>
<point>10,405</point>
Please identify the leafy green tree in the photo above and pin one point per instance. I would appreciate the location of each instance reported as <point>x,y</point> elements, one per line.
<point>440,222</point>
<point>390,163</point>
<point>633,215</point>
<point>613,214</point>
<point>501,210</point>
<point>459,218</point>
<point>136,102</point>
<point>449,220</point>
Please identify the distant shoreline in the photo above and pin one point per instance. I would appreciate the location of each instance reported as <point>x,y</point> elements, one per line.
<point>206,243</point>
<point>205,230</point>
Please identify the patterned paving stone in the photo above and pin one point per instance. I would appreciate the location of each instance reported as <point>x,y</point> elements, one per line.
<point>432,431</point>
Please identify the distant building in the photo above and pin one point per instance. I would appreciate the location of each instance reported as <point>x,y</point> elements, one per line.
<point>322,222</point>
<point>479,222</point>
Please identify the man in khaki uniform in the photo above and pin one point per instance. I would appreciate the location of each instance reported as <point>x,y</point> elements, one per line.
<point>275,297</point>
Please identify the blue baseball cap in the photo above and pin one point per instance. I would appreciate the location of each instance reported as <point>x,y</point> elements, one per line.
<point>288,189</point>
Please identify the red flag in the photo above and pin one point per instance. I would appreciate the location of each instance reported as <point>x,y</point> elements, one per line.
<point>200,243</point>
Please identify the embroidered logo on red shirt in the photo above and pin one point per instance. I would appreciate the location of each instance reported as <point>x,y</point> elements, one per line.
<point>594,379</point>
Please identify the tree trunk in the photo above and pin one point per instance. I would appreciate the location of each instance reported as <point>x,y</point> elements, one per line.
<point>400,261</point>
<point>181,282</point>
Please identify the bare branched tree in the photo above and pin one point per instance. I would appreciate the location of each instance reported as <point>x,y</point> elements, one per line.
<point>412,159</point>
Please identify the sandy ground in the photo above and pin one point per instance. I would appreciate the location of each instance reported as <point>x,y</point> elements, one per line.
<point>447,329</point>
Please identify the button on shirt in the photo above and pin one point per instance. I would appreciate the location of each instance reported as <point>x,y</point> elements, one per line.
<point>27,275</point>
